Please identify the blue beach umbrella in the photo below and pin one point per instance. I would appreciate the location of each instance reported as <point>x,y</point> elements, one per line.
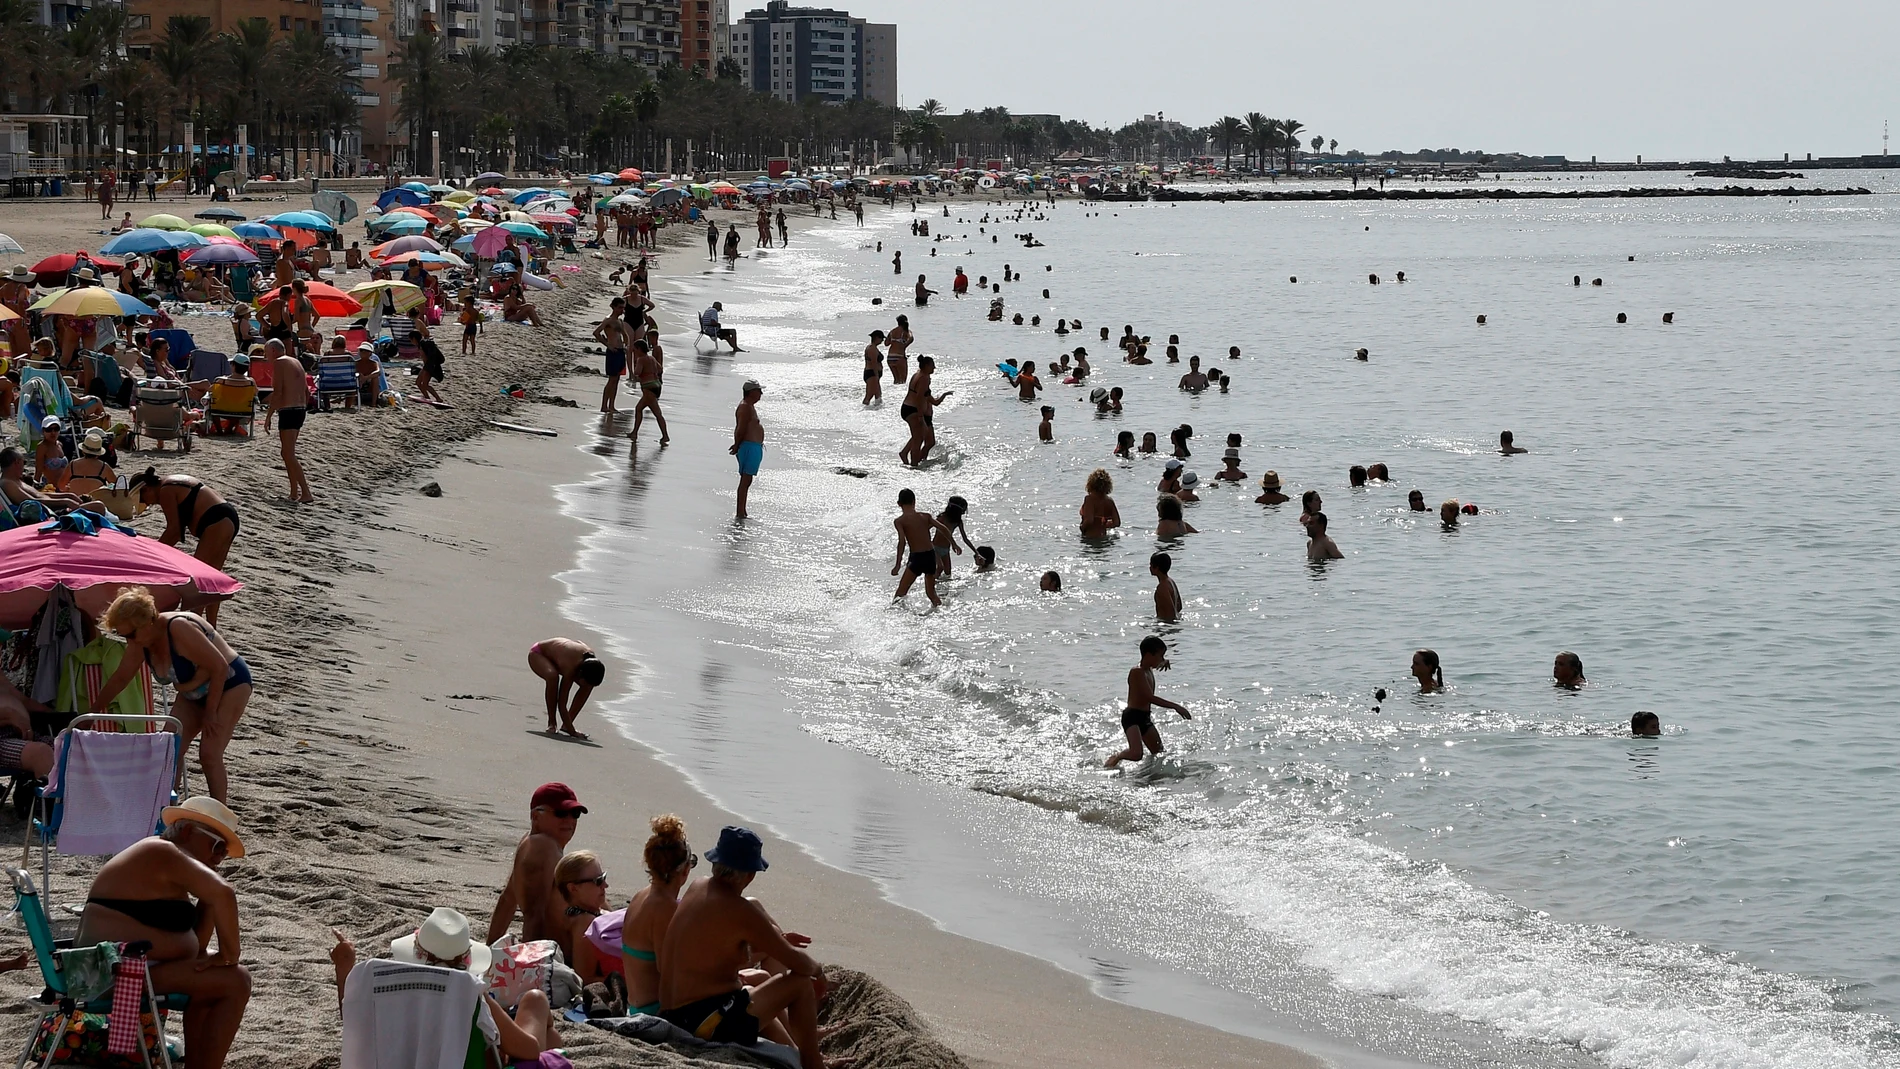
<point>400,198</point>
<point>257,231</point>
<point>400,224</point>
<point>504,269</point>
<point>526,230</point>
<point>304,220</point>
<point>419,187</point>
<point>148,240</point>
<point>526,195</point>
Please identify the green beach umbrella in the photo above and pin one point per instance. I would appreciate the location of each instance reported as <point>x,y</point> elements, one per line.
<point>164,222</point>
<point>212,230</point>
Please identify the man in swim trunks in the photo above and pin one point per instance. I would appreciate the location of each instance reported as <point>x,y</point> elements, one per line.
<point>1138,718</point>
<point>917,537</point>
<point>289,402</point>
<point>147,892</point>
<point>748,439</point>
<point>616,337</point>
<point>554,813</point>
<point>715,932</point>
<point>646,370</point>
<point>568,665</point>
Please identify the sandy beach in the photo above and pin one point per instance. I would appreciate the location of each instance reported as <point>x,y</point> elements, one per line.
<point>385,763</point>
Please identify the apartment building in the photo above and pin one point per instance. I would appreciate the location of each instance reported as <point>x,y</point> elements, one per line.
<point>704,35</point>
<point>797,52</point>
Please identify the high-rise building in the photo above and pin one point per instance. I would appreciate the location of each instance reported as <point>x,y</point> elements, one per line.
<point>703,35</point>
<point>647,31</point>
<point>797,52</point>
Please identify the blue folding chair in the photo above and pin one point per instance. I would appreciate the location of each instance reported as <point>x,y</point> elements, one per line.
<point>49,804</point>
<point>43,392</point>
<point>58,1002</point>
<point>336,377</point>
<point>181,346</point>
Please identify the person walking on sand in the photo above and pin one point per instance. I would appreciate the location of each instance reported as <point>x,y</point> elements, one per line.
<point>646,371</point>
<point>712,240</point>
<point>748,439</point>
<point>289,403</point>
<point>616,337</point>
<point>554,813</point>
<point>1138,721</point>
<point>567,665</point>
<point>917,536</point>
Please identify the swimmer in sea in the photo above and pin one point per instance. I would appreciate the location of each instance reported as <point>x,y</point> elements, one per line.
<point>1189,481</point>
<point>1168,514</point>
<point>1138,716</point>
<point>1170,478</point>
<point>1050,583</point>
<point>1568,671</point>
<point>951,517</point>
<point>1099,514</point>
<point>1378,473</point>
<point>985,558</point>
<point>1448,513</point>
<point>1270,490</point>
<point>1026,382</point>
<point>1125,445</point>
<point>874,369</point>
<point>1046,430</point>
<point>1233,352</point>
<point>1309,504</point>
<point>1508,446</point>
<point>1356,476</point>
<point>1148,442</point>
<point>1167,595</point>
<point>1230,471</point>
<point>1646,725</point>
<point>1425,669</point>
<point>1195,380</point>
<point>916,535</point>
<point>1318,546</point>
<point>1416,499</point>
<point>1115,399</point>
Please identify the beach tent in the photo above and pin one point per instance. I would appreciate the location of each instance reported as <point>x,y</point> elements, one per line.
<point>335,205</point>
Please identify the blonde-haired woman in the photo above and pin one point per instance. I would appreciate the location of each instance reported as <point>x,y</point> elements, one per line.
<point>669,864</point>
<point>582,883</point>
<point>213,682</point>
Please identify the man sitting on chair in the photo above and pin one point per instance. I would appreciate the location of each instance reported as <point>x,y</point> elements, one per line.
<point>709,326</point>
<point>147,892</point>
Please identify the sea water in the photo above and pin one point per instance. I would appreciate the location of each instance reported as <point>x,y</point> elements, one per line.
<point>1705,517</point>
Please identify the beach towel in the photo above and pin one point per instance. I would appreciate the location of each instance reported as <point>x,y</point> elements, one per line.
<point>128,994</point>
<point>604,932</point>
<point>114,785</point>
<point>62,630</point>
<point>88,668</point>
<point>663,1033</point>
<point>401,1016</point>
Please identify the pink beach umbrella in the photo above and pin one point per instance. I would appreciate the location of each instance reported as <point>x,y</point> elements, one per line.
<point>95,568</point>
<point>491,241</point>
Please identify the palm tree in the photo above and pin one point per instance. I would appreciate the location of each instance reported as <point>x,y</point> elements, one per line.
<point>247,53</point>
<point>1333,146</point>
<point>1227,131</point>
<point>1257,127</point>
<point>419,69</point>
<point>930,108</point>
<point>1290,130</point>
<point>1318,144</point>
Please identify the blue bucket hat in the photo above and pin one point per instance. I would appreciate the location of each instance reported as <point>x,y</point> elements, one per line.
<point>738,849</point>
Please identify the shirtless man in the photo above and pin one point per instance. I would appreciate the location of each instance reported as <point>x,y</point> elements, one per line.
<point>916,537</point>
<point>646,371</point>
<point>1319,546</point>
<point>1138,718</point>
<point>874,369</point>
<point>1508,446</point>
<point>1167,595</point>
<point>554,812</point>
<point>289,402</point>
<point>566,664</point>
<point>919,411</point>
<point>285,267</point>
<point>748,439</point>
<point>1194,381</point>
<point>924,293</point>
<point>716,931</point>
<point>277,316</point>
<point>147,892</point>
<point>614,334</point>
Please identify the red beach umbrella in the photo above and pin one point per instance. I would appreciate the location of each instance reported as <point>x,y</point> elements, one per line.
<point>330,301</point>
<point>61,262</point>
<point>95,568</point>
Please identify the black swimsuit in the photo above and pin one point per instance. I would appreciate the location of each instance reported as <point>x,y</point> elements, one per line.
<point>212,515</point>
<point>159,914</point>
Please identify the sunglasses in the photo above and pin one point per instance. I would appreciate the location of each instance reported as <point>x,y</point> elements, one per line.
<point>219,847</point>
<point>599,881</point>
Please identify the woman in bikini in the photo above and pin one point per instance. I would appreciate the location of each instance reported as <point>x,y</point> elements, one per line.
<point>581,881</point>
<point>874,369</point>
<point>49,458</point>
<point>90,472</point>
<point>18,491</point>
<point>213,683</point>
<point>192,506</point>
<point>669,865</point>
<point>897,345</point>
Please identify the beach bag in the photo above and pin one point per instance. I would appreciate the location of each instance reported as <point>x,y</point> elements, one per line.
<point>522,967</point>
<point>83,1042</point>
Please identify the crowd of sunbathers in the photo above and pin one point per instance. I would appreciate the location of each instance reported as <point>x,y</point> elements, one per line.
<point>697,954</point>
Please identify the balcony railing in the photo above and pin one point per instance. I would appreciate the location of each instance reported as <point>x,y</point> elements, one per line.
<point>357,12</point>
<point>368,100</point>
<point>351,40</point>
<point>364,70</point>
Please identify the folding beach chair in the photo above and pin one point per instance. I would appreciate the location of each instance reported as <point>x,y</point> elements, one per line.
<point>103,375</point>
<point>41,383</point>
<point>160,415</point>
<point>375,984</point>
<point>231,407</point>
<point>205,365</point>
<point>336,377</point>
<point>264,373</point>
<point>131,776</point>
<point>61,1002</point>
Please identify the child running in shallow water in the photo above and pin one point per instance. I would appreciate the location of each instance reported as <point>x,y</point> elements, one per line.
<point>1138,717</point>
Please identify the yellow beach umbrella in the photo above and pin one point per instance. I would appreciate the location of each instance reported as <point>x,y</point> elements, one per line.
<point>212,230</point>
<point>164,222</point>
<point>407,295</point>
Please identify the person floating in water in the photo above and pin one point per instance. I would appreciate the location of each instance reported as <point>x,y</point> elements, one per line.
<point>1507,444</point>
<point>1568,671</point>
<point>1138,717</point>
<point>1646,725</point>
<point>570,668</point>
<point>1425,669</point>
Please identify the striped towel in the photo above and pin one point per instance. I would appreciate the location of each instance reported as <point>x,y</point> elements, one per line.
<point>124,1031</point>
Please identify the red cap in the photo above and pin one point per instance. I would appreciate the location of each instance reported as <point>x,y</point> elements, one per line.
<point>558,797</point>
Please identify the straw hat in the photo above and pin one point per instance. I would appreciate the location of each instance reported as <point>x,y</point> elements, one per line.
<point>445,937</point>
<point>86,274</point>
<point>1190,481</point>
<point>212,814</point>
<point>1270,481</point>
<point>1098,395</point>
<point>19,273</point>
<point>94,444</point>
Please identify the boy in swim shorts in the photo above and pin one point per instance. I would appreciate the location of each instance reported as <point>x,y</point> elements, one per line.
<point>1138,718</point>
<point>748,439</point>
<point>917,534</point>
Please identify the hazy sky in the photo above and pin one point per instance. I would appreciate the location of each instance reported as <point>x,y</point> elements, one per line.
<point>1665,78</point>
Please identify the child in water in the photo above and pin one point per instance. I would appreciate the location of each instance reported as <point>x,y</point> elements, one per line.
<point>1046,430</point>
<point>1138,717</point>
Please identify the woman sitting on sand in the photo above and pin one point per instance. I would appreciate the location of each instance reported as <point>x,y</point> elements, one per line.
<point>515,307</point>
<point>1099,514</point>
<point>18,491</point>
<point>581,881</point>
<point>190,505</point>
<point>90,472</point>
<point>670,864</point>
<point>181,648</point>
<point>50,461</point>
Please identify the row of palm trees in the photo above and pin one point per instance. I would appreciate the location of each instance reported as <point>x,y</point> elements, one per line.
<point>1261,138</point>
<point>293,91</point>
